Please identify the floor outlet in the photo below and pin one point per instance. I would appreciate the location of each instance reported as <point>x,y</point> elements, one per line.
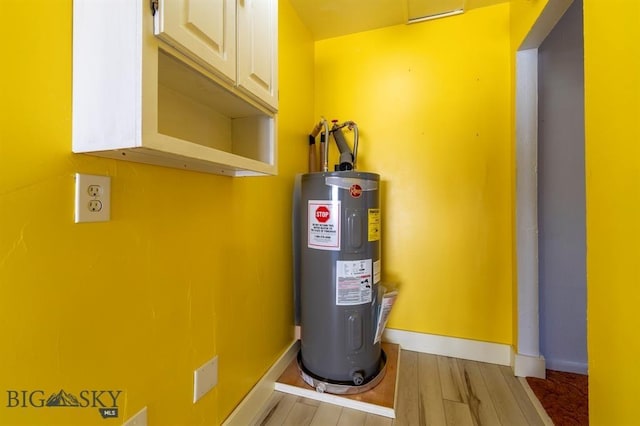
<point>205,378</point>
<point>93,198</point>
<point>138,419</point>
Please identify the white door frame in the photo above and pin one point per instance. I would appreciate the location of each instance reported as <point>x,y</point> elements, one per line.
<point>527,359</point>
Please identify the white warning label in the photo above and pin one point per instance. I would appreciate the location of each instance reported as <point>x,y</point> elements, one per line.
<point>376,271</point>
<point>324,225</point>
<point>354,282</point>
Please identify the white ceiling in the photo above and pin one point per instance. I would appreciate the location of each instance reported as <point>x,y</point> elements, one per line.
<point>333,18</point>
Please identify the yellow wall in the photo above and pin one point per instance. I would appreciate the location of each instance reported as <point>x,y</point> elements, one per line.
<point>612,113</point>
<point>432,101</point>
<point>190,266</point>
<point>137,303</point>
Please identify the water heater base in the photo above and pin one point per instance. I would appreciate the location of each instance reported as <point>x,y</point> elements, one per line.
<point>341,388</point>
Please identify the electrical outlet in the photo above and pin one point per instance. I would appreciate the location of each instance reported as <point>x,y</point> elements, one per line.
<point>93,198</point>
<point>138,419</point>
<point>95,190</point>
<point>205,378</point>
<point>95,205</point>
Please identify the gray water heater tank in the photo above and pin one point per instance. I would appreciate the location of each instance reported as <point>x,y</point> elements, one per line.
<point>340,275</point>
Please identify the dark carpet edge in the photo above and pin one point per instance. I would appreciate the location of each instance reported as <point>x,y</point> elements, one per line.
<point>564,396</point>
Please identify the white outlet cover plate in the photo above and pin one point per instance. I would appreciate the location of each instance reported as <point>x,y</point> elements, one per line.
<point>83,198</point>
<point>138,419</point>
<point>205,378</point>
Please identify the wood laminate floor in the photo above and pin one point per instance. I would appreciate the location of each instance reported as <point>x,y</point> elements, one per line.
<point>432,390</point>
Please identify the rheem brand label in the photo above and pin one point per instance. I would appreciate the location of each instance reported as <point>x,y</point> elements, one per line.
<point>324,225</point>
<point>355,190</point>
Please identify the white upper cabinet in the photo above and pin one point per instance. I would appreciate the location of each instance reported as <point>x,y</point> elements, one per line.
<point>235,39</point>
<point>161,85</point>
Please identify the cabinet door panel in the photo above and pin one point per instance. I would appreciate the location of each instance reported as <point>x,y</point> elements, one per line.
<point>257,49</point>
<point>202,29</point>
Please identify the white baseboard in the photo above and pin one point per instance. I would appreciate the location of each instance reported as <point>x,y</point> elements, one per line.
<point>567,366</point>
<point>255,401</point>
<point>528,366</point>
<point>494,353</point>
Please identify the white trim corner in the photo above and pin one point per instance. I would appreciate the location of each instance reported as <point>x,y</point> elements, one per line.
<point>528,365</point>
<point>256,399</point>
<point>536,402</point>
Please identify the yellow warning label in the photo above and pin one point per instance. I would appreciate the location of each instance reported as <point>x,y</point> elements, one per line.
<point>374,225</point>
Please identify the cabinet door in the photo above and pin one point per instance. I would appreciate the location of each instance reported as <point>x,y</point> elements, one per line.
<point>258,49</point>
<point>204,30</point>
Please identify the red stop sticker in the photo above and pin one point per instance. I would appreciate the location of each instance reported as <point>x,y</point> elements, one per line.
<point>322,214</point>
<point>355,190</point>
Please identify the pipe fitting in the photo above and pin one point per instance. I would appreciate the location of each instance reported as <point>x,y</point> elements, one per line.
<point>358,378</point>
